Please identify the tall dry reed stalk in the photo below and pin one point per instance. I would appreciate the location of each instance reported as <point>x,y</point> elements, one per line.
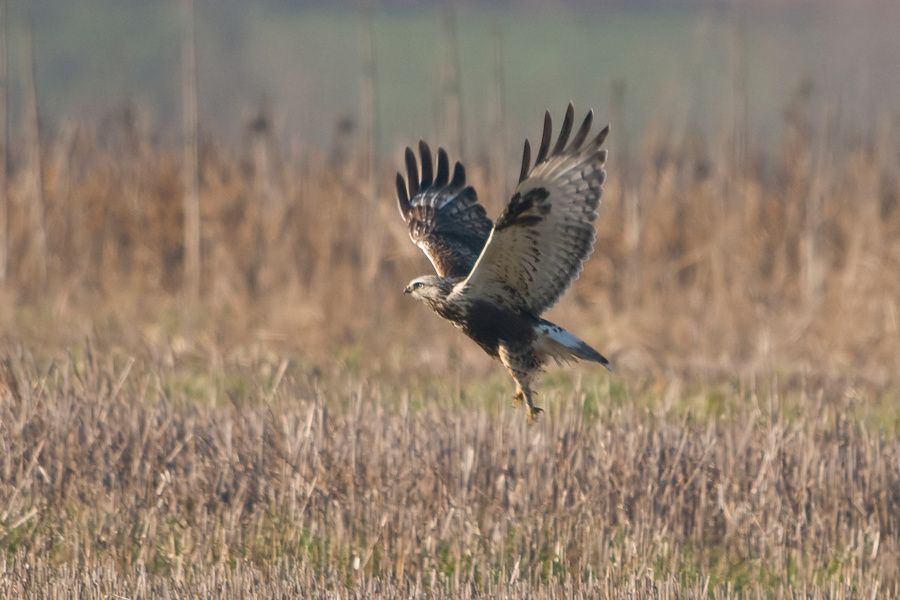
<point>37,250</point>
<point>4,140</point>
<point>190,161</point>
<point>451,86</point>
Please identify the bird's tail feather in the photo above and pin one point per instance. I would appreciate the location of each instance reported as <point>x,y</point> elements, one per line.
<point>564,346</point>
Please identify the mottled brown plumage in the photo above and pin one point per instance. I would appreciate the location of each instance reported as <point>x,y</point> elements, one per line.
<point>494,282</point>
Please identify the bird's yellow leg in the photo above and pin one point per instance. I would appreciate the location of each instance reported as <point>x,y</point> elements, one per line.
<point>533,411</point>
<point>519,398</point>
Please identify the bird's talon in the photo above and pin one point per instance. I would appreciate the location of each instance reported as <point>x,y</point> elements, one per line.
<point>518,400</point>
<point>533,413</point>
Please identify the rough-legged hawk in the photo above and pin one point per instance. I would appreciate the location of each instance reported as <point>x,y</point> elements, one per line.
<point>495,280</point>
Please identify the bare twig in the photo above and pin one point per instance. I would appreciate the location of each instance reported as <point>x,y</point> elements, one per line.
<point>36,205</point>
<point>4,140</point>
<point>190,165</point>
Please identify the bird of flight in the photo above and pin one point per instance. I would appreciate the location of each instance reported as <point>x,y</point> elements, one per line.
<point>494,280</point>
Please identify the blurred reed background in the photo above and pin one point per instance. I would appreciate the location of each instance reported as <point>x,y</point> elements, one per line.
<point>210,381</point>
<point>734,235</point>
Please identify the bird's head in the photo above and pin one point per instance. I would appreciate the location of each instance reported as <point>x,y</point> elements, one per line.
<point>429,288</point>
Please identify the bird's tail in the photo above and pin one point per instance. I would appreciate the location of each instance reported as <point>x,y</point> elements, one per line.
<point>564,346</point>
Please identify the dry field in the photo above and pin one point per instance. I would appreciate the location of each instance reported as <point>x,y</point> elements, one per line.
<point>124,479</point>
<point>302,429</point>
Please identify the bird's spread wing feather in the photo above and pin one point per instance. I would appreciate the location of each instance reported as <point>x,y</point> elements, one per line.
<point>443,214</point>
<point>540,242</point>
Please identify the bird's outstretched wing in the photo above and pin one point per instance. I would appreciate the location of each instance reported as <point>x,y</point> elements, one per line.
<point>540,242</point>
<point>444,217</point>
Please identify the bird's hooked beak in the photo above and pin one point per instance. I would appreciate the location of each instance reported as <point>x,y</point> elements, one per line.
<point>407,290</point>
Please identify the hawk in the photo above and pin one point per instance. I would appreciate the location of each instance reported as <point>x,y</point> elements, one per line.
<point>494,280</point>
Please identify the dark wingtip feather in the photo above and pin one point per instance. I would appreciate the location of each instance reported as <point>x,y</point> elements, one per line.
<point>412,172</point>
<point>545,139</point>
<point>402,197</point>
<point>526,161</point>
<point>459,176</point>
<point>427,170</point>
<point>601,137</point>
<point>565,130</point>
<point>582,131</point>
<point>443,168</point>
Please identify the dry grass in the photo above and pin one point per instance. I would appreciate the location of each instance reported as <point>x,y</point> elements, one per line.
<point>709,259</point>
<point>121,477</point>
<point>306,430</point>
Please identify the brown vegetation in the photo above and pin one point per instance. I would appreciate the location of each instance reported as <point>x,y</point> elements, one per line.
<point>786,258</point>
<point>303,429</point>
<point>118,478</point>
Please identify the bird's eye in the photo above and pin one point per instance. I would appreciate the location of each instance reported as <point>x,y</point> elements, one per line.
<point>418,285</point>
